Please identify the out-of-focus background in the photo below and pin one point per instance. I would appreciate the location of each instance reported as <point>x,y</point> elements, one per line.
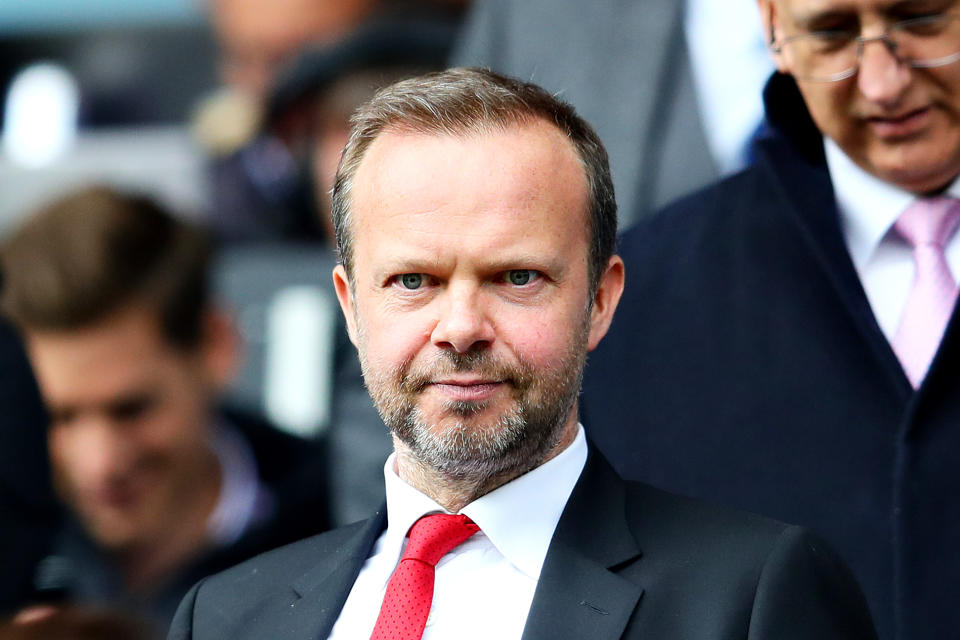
<point>102,90</point>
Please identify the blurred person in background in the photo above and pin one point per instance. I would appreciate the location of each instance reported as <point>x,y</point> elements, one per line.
<point>253,179</point>
<point>789,342</point>
<point>256,190</point>
<point>309,110</point>
<point>312,100</point>
<point>257,37</point>
<point>110,293</point>
<point>651,75</point>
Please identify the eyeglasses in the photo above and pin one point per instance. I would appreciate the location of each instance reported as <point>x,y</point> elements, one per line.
<point>834,55</point>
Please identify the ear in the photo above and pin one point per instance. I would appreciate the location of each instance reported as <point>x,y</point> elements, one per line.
<point>221,348</point>
<point>341,284</point>
<point>772,31</point>
<point>605,301</point>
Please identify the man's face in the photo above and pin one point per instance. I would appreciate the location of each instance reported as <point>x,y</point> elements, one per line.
<point>470,304</point>
<point>900,124</point>
<point>129,425</point>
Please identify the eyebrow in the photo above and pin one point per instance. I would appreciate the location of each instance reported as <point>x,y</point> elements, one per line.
<point>494,265</point>
<point>808,20</point>
<point>811,20</point>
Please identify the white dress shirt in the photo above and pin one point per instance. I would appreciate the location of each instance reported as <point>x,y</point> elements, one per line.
<point>731,64</point>
<point>483,588</point>
<point>884,261</point>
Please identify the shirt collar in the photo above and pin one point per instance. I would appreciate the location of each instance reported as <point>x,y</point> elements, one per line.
<point>868,206</point>
<point>518,518</point>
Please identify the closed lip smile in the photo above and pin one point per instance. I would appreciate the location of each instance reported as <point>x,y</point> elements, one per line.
<point>900,124</point>
<point>467,388</point>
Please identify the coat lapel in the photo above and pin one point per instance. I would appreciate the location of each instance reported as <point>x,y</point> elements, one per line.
<point>322,591</point>
<point>810,204</point>
<point>579,594</point>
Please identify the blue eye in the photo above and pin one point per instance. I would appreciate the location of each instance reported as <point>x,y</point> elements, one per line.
<point>411,280</point>
<point>520,277</point>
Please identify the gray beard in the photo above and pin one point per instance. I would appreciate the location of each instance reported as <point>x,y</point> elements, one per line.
<point>514,442</point>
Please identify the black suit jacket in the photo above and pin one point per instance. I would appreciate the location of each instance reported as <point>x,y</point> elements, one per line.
<point>626,561</point>
<point>745,366</point>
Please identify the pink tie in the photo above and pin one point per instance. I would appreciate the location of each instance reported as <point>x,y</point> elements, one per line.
<point>927,225</point>
<point>406,604</point>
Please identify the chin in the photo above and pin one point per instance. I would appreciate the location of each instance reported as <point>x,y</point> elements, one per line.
<point>115,537</point>
<point>112,529</point>
<point>918,167</point>
<point>920,180</point>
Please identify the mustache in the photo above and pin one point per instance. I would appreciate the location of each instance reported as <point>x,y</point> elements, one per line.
<point>476,361</point>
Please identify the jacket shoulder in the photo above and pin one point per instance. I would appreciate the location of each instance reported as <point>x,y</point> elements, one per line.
<point>281,566</point>
<point>774,580</point>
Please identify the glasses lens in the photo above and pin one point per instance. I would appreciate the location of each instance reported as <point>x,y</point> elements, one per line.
<point>823,55</point>
<point>929,41</point>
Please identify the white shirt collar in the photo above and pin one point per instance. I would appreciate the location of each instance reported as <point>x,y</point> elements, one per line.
<point>868,206</point>
<point>519,518</point>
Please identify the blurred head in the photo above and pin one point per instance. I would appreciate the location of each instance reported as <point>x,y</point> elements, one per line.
<point>897,119</point>
<point>475,220</point>
<point>110,293</point>
<point>257,37</point>
<point>313,99</point>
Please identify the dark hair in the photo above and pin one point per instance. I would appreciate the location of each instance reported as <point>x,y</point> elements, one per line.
<point>96,251</point>
<point>459,101</point>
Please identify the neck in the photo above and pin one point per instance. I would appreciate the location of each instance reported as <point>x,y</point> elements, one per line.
<point>146,565</point>
<point>453,493</point>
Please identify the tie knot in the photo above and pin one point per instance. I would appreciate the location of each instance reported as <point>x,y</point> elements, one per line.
<point>929,221</point>
<point>433,536</point>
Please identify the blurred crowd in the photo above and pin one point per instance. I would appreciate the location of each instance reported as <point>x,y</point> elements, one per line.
<point>178,389</point>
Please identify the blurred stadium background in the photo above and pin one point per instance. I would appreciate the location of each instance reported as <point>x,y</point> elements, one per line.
<point>101,90</point>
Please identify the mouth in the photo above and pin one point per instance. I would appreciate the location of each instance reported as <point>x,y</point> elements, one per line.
<point>118,493</point>
<point>900,125</point>
<point>467,390</point>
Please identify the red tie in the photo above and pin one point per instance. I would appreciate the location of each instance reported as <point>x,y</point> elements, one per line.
<point>406,605</point>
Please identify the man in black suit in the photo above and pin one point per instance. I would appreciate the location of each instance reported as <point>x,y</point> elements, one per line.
<point>759,345</point>
<point>110,294</point>
<point>475,222</point>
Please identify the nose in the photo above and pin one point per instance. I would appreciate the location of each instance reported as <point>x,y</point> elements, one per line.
<point>882,76</point>
<point>100,452</point>
<point>464,323</point>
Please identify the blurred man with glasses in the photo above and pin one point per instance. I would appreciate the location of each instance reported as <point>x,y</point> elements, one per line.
<point>788,331</point>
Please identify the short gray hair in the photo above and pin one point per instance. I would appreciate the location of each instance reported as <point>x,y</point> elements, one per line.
<point>460,101</point>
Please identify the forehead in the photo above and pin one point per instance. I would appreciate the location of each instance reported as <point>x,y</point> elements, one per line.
<point>517,183</point>
<point>803,9</point>
<point>101,360</point>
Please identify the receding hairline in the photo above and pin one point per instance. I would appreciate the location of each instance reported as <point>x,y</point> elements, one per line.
<point>475,131</point>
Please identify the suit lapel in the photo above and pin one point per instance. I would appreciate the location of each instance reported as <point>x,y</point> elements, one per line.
<point>808,201</point>
<point>578,594</point>
<point>322,591</point>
